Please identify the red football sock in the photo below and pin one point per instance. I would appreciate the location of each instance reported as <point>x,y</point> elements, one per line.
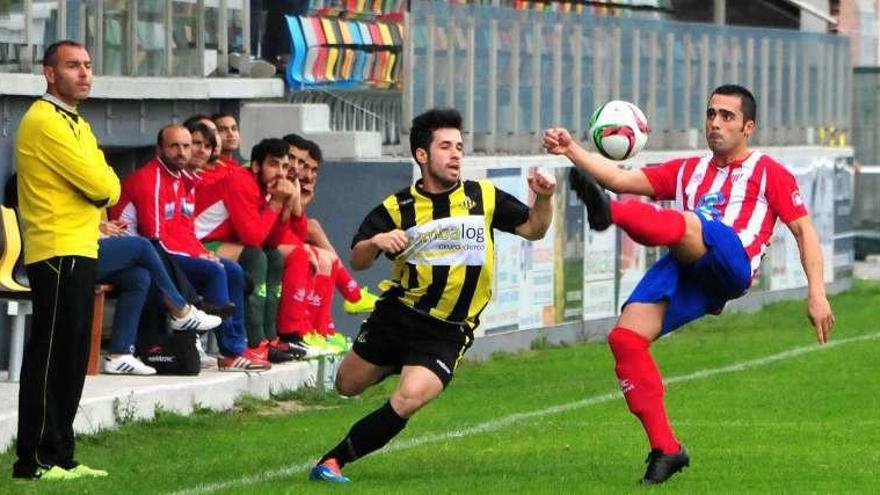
<point>345,284</point>
<point>642,386</point>
<point>321,304</point>
<point>296,285</point>
<point>648,224</point>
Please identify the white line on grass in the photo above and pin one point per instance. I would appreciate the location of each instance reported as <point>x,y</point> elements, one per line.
<point>499,423</point>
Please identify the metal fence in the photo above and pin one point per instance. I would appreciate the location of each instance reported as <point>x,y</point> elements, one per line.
<point>513,73</point>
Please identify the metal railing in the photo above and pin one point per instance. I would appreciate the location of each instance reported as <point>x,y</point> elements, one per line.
<point>513,73</point>
<point>359,110</point>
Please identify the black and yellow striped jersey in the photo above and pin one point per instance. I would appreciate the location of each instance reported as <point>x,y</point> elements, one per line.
<point>448,267</point>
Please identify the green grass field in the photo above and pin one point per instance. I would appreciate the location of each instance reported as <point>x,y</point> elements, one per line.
<point>761,407</point>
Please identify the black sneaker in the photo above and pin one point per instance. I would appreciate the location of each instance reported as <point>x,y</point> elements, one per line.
<point>279,356</point>
<point>662,466</point>
<point>286,347</point>
<point>593,196</point>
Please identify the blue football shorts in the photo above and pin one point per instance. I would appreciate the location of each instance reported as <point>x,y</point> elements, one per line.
<point>702,287</point>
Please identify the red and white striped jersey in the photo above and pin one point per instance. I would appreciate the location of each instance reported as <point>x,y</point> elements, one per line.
<point>748,195</point>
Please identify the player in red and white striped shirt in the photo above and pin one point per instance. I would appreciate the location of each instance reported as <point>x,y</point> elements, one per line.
<point>727,204</point>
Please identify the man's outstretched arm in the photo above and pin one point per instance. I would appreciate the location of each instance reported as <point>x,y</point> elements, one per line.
<point>818,308</point>
<point>606,172</point>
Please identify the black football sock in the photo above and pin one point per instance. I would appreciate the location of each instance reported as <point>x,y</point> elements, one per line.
<point>371,433</point>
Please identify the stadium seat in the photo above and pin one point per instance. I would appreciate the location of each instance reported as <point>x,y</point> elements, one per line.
<point>298,50</point>
<point>360,52</point>
<point>339,53</point>
<point>333,51</point>
<point>311,39</point>
<point>16,295</point>
<point>12,278</point>
<point>319,69</point>
<point>369,52</point>
<point>348,50</point>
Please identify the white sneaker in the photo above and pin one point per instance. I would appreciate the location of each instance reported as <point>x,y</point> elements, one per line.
<point>196,320</point>
<point>205,360</point>
<point>126,364</point>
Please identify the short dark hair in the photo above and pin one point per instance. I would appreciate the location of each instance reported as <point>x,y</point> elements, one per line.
<point>423,126</point>
<point>747,100</point>
<point>160,137</point>
<point>269,147</point>
<point>204,131</point>
<point>314,151</point>
<point>195,119</point>
<point>50,56</point>
<point>220,115</point>
<point>296,141</point>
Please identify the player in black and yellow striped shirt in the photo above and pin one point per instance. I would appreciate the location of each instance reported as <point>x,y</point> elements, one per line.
<point>439,232</point>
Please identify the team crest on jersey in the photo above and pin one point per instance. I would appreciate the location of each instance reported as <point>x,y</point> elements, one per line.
<point>187,208</point>
<point>169,210</point>
<point>467,203</point>
<point>709,203</point>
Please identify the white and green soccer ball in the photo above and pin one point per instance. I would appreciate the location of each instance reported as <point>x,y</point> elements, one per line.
<point>619,130</point>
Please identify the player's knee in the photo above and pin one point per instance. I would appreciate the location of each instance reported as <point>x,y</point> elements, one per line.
<point>345,386</point>
<point>407,402</point>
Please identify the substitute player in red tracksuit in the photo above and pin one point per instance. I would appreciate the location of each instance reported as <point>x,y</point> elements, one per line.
<point>239,218</point>
<point>316,327</point>
<point>727,206</point>
<point>158,204</point>
<point>215,167</point>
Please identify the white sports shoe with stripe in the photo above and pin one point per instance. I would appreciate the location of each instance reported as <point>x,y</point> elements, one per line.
<point>196,320</point>
<point>126,364</point>
<point>247,361</point>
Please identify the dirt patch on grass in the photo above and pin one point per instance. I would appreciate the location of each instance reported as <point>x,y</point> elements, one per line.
<point>279,408</point>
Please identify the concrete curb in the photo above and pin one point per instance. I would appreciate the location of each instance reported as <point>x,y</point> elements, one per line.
<point>108,400</point>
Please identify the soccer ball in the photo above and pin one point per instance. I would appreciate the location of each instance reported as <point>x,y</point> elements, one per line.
<point>619,130</point>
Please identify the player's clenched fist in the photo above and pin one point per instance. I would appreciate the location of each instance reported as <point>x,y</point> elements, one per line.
<point>542,184</point>
<point>391,242</point>
<point>557,140</point>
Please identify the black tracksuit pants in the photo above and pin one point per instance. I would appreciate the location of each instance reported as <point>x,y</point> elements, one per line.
<point>55,360</point>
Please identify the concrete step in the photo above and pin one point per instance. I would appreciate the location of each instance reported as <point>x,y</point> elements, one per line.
<point>348,144</point>
<point>108,399</point>
<point>258,121</point>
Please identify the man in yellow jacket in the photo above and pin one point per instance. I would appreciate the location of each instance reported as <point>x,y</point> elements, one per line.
<point>64,183</point>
